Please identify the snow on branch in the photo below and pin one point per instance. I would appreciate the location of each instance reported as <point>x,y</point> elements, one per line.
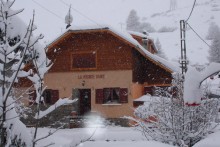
<point>59,103</point>
<point>193,81</point>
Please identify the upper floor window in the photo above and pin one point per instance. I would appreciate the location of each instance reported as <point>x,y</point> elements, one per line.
<point>85,60</point>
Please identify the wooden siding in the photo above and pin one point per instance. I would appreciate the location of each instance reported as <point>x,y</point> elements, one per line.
<point>112,53</point>
<point>146,71</point>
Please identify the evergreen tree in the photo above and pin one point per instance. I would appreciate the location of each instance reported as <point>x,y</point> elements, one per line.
<point>160,52</point>
<point>133,23</point>
<point>214,51</point>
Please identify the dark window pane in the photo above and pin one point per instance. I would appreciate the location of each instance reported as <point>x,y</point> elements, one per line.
<point>148,90</point>
<point>47,96</point>
<point>111,95</point>
<point>54,96</point>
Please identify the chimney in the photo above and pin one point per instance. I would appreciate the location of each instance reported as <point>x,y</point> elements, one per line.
<point>145,42</point>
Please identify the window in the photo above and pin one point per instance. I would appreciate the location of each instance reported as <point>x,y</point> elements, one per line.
<point>50,96</point>
<point>148,90</point>
<point>84,60</point>
<point>111,95</point>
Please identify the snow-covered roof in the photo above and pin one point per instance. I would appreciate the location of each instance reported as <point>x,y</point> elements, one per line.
<point>126,36</point>
<point>147,36</point>
<point>138,34</point>
<point>144,36</point>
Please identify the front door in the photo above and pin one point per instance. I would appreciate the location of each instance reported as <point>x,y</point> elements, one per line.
<point>85,101</point>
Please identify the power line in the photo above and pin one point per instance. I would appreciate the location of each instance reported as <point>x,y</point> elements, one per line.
<point>198,35</point>
<point>48,10</point>
<point>80,13</point>
<point>191,10</point>
<point>51,12</point>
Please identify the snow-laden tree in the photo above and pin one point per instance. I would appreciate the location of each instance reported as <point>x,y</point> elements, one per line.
<point>160,51</point>
<point>40,65</point>
<point>133,22</point>
<point>166,117</point>
<point>17,47</point>
<point>214,51</point>
<point>21,56</point>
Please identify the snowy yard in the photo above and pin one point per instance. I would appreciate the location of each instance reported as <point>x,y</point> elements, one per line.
<point>108,137</point>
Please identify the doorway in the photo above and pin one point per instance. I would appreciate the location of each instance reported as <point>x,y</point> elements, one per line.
<point>83,104</point>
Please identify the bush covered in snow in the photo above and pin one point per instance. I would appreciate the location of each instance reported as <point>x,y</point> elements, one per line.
<point>166,118</point>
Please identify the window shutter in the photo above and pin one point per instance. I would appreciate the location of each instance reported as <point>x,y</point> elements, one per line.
<point>99,96</point>
<point>123,95</point>
<point>54,96</point>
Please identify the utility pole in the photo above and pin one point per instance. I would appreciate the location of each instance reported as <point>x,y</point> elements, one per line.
<point>121,24</point>
<point>183,60</point>
<point>173,5</point>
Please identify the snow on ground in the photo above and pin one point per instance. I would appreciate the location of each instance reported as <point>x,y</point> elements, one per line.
<point>211,140</point>
<point>124,144</point>
<point>108,137</point>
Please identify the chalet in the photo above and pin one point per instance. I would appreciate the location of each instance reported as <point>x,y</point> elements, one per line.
<point>107,69</point>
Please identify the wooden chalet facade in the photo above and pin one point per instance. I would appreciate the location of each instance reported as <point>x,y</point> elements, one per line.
<point>105,69</point>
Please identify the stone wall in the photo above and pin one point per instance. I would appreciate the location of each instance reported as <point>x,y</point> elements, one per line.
<point>64,116</point>
<point>58,117</point>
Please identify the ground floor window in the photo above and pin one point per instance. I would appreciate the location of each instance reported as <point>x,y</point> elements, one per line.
<point>111,95</point>
<point>50,96</point>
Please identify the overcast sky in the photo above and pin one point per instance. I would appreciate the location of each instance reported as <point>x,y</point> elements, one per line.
<point>50,14</point>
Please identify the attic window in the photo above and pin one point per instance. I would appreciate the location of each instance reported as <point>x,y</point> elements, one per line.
<point>85,60</point>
